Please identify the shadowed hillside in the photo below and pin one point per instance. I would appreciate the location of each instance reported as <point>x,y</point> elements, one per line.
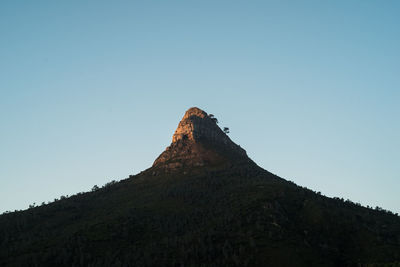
<point>202,203</point>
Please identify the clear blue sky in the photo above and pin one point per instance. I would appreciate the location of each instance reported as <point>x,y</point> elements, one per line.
<point>92,91</point>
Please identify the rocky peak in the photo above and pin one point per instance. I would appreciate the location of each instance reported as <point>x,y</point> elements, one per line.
<point>197,125</point>
<point>198,141</point>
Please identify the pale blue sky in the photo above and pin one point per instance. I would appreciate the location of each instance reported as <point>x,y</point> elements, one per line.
<point>92,91</point>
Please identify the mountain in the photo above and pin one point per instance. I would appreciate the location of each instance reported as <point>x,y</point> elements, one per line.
<point>198,141</point>
<point>204,202</point>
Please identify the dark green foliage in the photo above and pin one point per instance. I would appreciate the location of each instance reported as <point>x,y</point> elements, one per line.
<point>212,117</point>
<point>227,216</point>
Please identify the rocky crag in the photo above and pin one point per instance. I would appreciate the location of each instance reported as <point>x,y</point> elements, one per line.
<point>198,141</point>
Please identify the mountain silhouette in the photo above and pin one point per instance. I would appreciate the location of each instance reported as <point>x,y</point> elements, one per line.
<point>203,202</point>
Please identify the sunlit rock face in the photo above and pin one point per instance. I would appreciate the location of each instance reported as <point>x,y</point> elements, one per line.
<point>198,141</point>
<point>194,124</point>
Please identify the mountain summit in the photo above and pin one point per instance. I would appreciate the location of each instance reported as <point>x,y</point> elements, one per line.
<point>198,141</point>
<point>202,203</point>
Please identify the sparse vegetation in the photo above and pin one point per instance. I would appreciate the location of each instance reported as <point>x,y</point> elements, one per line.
<point>212,117</point>
<point>203,203</point>
<point>207,217</point>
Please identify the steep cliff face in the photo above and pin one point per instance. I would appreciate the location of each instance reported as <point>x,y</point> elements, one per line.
<point>199,141</point>
<point>194,125</point>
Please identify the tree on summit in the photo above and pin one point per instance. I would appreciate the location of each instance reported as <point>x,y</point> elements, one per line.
<point>226,130</point>
<point>212,117</point>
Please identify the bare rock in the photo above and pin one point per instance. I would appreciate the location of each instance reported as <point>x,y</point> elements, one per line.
<point>199,141</point>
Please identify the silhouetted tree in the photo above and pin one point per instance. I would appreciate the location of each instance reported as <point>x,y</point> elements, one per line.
<point>212,117</point>
<point>226,130</point>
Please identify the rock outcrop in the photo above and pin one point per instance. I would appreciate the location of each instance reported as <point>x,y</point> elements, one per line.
<point>198,141</point>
